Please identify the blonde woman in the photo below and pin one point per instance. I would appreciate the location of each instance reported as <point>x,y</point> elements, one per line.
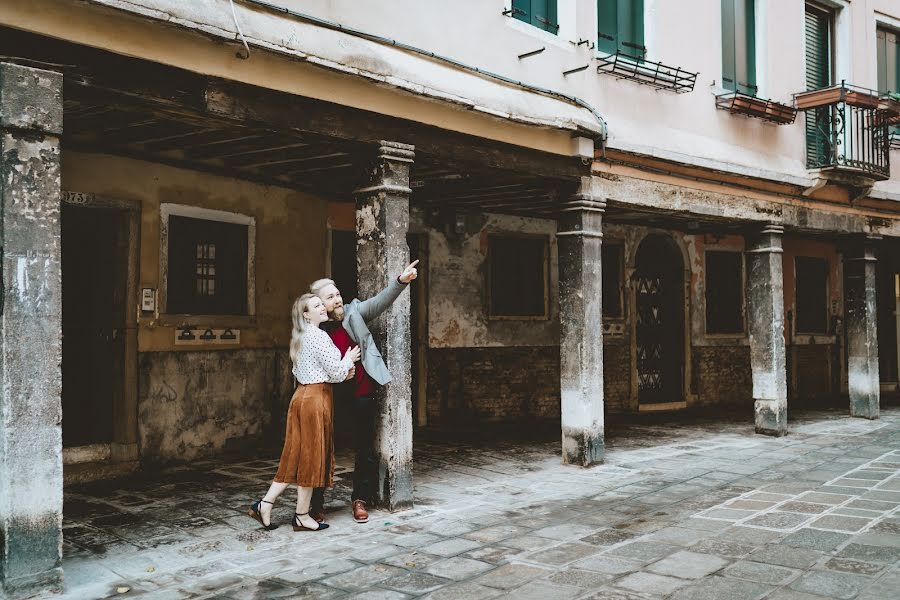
<point>307,459</point>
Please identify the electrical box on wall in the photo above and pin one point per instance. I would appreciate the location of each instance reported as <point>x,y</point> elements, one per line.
<point>148,300</point>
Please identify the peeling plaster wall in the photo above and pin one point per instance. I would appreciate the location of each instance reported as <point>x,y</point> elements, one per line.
<point>195,404</point>
<point>479,367</point>
<point>457,311</point>
<point>198,400</point>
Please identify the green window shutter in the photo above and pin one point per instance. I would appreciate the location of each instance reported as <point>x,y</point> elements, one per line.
<point>620,27</point>
<point>729,66</point>
<point>540,13</point>
<point>818,75</point>
<point>745,45</point>
<point>818,48</point>
<point>607,26</point>
<point>739,46</point>
<point>888,50</point>
<point>631,27</point>
<point>522,10</point>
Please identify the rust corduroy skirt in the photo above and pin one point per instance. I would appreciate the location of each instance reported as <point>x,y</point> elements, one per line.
<point>308,456</point>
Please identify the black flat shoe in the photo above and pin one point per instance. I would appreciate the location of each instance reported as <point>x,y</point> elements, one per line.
<point>254,512</point>
<point>298,526</point>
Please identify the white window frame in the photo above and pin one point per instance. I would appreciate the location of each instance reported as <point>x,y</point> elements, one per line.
<point>207,214</point>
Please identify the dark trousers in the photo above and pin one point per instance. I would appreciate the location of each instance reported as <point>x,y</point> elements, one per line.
<point>365,469</point>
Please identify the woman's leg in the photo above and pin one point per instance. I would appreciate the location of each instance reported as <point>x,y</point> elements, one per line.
<point>304,495</point>
<point>265,507</point>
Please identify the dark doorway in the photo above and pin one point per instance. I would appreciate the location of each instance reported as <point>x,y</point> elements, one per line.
<point>343,272</point>
<point>343,263</point>
<point>94,281</point>
<point>659,300</point>
<point>888,314</point>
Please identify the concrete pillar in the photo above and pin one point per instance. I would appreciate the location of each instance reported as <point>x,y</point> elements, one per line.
<point>579,239</point>
<point>382,222</point>
<point>765,303</point>
<point>31,478</point>
<point>862,328</point>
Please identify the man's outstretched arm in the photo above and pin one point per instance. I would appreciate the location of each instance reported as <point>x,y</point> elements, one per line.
<point>371,308</point>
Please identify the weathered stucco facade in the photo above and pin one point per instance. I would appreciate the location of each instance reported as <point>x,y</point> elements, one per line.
<point>588,245</point>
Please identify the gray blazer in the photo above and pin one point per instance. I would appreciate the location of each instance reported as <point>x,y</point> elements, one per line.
<point>357,315</point>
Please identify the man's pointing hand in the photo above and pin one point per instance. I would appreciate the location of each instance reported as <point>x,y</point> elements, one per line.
<point>409,273</point>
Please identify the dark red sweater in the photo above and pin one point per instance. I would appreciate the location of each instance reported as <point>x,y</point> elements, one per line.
<point>362,383</point>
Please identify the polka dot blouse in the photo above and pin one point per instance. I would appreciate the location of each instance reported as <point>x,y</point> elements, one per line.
<point>319,360</point>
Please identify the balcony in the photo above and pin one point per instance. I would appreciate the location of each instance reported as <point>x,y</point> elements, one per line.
<point>847,133</point>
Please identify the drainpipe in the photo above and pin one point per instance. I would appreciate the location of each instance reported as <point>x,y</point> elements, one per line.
<point>601,138</point>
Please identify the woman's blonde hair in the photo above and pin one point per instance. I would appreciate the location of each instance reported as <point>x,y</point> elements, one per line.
<point>301,304</point>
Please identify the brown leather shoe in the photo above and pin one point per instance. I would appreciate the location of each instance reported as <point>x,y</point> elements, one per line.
<point>360,514</point>
<point>318,514</point>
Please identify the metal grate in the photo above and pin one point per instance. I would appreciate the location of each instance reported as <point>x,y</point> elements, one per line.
<point>751,106</point>
<point>849,137</point>
<point>645,72</point>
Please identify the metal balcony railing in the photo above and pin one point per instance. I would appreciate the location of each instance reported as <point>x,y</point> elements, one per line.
<point>846,132</point>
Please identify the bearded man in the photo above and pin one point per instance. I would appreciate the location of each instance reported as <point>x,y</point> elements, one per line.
<point>348,327</point>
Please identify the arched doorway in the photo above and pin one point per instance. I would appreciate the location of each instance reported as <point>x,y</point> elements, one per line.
<point>659,302</point>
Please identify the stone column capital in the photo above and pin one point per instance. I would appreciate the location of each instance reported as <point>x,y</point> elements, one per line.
<point>31,99</point>
<point>765,239</point>
<point>582,212</point>
<point>860,247</point>
<point>396,151</point>
<point>388,171</point>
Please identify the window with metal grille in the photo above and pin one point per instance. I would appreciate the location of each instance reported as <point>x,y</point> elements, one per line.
<point>739,46</point>
<point>517,277</point>
<point>540,13</point>
<point>613,283</point>
<point>620,27</point>
<point>207,267</point>
<point>724,292</point>
<point>811,294</point>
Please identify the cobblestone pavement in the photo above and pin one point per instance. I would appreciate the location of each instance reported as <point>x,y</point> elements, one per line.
<point>685,509</point>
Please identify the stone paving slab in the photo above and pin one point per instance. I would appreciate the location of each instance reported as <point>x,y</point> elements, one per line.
<point>689,510</point>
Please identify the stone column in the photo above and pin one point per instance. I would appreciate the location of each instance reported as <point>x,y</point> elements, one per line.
<point>31,478</point>
<point>765,304</point>
<point>862,328</point>
<point>579,240</point>
<point>382,222</point>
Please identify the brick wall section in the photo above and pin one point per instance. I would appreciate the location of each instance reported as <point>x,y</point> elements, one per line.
<point>722,375</point>
<point>511,383</point>
<point>493,384</point>
<point>617,376</point>
<point>522,383</point>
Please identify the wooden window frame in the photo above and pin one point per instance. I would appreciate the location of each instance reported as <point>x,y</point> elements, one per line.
<point>743,295</point>
<point>546,276</point>
<point>181,319</point>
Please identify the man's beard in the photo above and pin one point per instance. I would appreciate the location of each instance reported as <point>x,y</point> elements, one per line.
<point>337,314</point>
